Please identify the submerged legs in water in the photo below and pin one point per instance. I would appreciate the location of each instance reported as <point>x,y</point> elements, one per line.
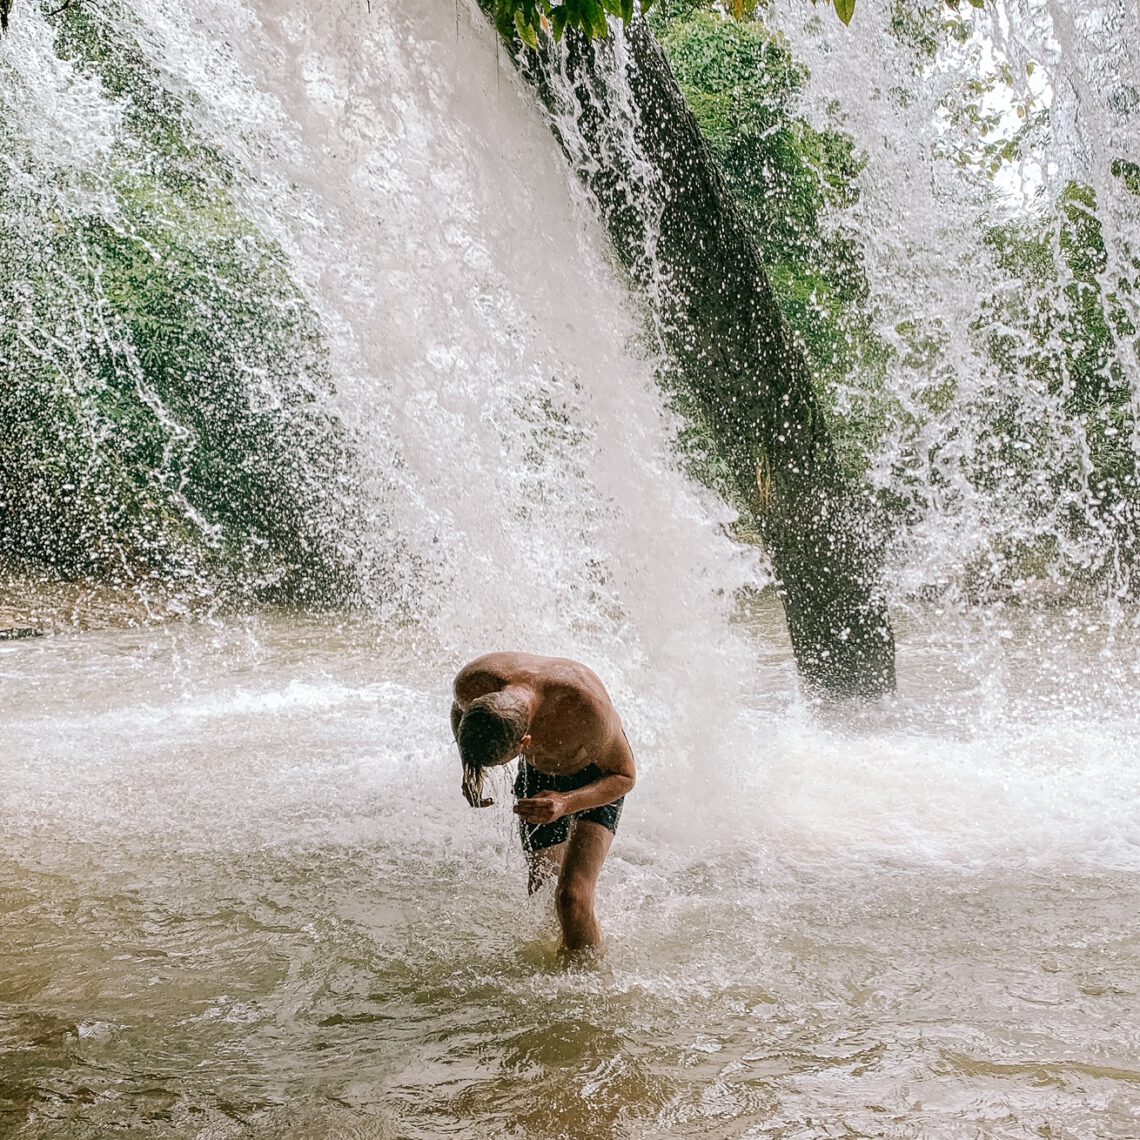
<point>576,864</point>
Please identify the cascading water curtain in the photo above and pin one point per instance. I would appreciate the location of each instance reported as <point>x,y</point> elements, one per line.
<point>999,221</point>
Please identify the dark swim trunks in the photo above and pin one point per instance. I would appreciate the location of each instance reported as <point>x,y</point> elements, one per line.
<point>530,781</point>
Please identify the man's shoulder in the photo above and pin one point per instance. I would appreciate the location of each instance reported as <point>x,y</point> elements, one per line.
<point>570,672</point>
<point>554,678</point>
<point>512,663</point>
<point>503,659</point>
<point>495,664</point>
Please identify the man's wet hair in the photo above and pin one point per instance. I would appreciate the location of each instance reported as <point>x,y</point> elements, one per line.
<point>489,734</point>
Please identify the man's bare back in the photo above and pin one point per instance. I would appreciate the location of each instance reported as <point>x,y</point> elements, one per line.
<point>573,723</point>
<point>575,767</point>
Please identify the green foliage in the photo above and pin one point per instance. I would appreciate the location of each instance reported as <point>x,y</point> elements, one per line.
<point>1129,173</point>
<point>1062,330</point>
<point>925,25</point>
<point>530,20</point>
<point>164,387</point>
<point>1044,426</point>
<point>791,181</point>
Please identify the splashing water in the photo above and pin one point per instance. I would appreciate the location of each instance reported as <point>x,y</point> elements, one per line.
<point>993,439</point>
<point>242,893</point>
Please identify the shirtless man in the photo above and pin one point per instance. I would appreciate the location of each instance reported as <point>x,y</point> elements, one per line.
<point>575,768</point>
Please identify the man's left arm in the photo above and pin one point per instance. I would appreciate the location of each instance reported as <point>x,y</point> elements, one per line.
<point>610,786</point>
<point>619,774</point>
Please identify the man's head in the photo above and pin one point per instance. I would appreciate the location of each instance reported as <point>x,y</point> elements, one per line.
<point>491,732</point>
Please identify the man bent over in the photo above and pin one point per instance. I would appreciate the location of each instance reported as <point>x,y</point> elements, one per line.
<point>575,768</point>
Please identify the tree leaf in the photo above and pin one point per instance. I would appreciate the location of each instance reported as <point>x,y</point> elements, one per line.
<point>525,30</point>
<point>597,16</point>
<point>846,9</point>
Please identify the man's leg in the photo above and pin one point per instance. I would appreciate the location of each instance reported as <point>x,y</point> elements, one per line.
<point>543,865</point>
<point>577,881</point>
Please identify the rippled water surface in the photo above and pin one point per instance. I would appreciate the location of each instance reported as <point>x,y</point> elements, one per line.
<point>242,896</point>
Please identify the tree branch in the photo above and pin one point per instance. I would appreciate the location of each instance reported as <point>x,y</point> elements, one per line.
<point>62,8</point>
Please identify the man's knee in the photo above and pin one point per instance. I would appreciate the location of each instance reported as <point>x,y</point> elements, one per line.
<point>574,900</point>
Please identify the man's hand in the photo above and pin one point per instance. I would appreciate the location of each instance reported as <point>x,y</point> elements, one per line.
<point>546,807</point>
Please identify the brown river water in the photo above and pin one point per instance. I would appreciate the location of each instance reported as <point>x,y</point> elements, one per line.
<point>242,897</point>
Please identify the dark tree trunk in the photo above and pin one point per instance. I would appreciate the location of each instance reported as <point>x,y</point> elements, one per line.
<point>622,120</point>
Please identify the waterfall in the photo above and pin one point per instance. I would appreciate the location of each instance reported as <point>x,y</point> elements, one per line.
<point>301,304</point>
<point>1001,467</point>
<point>504,473</point>
<point>442,305</point>
<point>442,311</point>
<point>483,355</point>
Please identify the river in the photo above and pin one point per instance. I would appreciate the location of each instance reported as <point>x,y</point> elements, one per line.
<point>243,896</point>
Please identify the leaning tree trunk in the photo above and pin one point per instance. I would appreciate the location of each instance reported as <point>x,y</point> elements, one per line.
<point>621,118</point>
